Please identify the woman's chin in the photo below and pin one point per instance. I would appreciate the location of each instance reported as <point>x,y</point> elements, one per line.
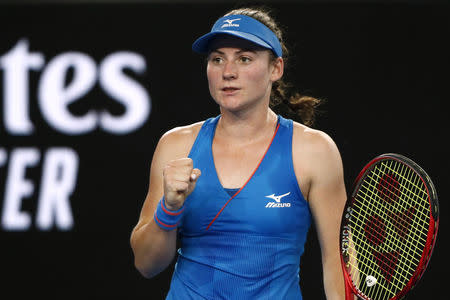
<point>230,104</point>
<point>234,108</point>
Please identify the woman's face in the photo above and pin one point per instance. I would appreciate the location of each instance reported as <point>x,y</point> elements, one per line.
<point>240,73</point>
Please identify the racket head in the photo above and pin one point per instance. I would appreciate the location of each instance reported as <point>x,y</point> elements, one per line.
<point>388,228</point>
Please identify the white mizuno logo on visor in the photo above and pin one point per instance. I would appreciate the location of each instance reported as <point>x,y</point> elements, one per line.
<point>229,23</point>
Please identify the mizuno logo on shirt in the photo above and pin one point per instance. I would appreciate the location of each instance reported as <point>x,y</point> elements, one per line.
<point>278,202</point>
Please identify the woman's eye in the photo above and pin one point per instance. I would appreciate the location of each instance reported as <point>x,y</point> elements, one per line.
<point>217,59</point>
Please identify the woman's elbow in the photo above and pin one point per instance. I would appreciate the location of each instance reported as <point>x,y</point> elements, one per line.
<point>145,270</point>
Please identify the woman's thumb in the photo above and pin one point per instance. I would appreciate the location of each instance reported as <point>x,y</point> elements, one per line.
<point>195,174</point>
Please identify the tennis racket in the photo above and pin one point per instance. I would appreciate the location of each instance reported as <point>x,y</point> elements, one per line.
<point>388,229</point>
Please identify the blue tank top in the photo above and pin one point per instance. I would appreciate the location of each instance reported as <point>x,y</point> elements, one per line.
<point>252,249</point>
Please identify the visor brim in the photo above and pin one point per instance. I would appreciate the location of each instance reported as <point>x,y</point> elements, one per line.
<point>202,44</point>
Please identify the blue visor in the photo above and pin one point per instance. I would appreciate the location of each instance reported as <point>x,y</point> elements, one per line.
<point>243,27</point>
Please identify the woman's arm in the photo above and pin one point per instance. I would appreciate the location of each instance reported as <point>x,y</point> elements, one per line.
<point>153,247</point>
<point>322,166</point>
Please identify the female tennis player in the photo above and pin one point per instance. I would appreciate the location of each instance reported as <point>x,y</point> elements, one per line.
<point>242,188</point>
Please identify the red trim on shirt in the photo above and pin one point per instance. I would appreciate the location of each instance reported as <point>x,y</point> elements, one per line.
<point>220,211</point>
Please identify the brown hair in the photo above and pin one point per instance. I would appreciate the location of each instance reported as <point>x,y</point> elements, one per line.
<point>282,98</point>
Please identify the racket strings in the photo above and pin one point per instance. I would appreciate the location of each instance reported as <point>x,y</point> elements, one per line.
<point>391,254</point>
<point>368,269</point>
<point>368,254</point>
<point>419,201</point>
<point>385,268</point>
<point>420,208</point>
<point>402,221</point>
<point>365,266</point>
<point>370,189</point>
<point>357,275</point>
<point>395,188</point>
<point>396,223</point>
<point>384,264</point>
<point>381,210</point>
<point>410,194</point>
<point>388,215</point>
<point>388,248</point>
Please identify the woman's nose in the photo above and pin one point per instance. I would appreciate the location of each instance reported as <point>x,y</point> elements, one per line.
<point>229,71</point>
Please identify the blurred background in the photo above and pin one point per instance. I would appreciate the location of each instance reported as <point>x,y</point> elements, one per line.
<point>88,87</point>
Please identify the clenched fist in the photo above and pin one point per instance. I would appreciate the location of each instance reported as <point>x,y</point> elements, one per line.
<point>179,181</point>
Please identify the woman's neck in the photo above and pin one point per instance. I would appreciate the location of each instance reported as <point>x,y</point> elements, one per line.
<point>246,127</point>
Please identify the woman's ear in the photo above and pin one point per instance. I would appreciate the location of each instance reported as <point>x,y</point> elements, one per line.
<point>278,69</point>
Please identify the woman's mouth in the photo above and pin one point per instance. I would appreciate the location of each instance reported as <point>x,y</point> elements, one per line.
<point>230,90</point>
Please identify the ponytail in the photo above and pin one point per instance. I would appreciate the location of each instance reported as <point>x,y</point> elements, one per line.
<point>293,104</point>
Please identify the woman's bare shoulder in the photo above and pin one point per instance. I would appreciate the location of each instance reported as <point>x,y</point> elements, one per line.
<point>313,144</point>
<point>309,136</point>
<point>183,132</point>
<point>179,140</point>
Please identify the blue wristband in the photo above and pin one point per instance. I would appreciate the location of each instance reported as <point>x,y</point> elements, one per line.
<point>165,218</point>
